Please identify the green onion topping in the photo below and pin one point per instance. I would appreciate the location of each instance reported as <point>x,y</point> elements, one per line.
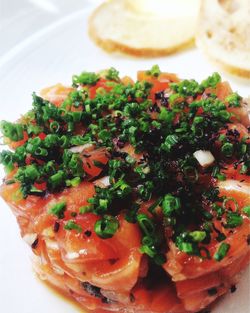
<point>106,227</point>
<point>222,251</point>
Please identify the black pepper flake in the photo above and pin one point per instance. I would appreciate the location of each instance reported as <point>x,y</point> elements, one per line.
<point>106,300</point>
<point>113,261</point>
<point>159,95</point>
<point>212,291</point>
<point>118,143</point>
<point>248,239</point>
<point>88,233</point>
<point>34,244</point>
<point>118,154</point>
<point>132,298</point>
<point>238,162</point>
<point>56,227</point>
<point>233,288</point>
<point>163,97</point>
<point>233,133</point>
<point>95,292</point>
<point>92,290</point>
<point>155,108</point>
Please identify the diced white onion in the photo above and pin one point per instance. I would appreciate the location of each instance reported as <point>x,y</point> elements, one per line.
<point>30,238</point>
<point>83,252</point>
<point>80,149</point>
<point>102,182</point>
<point>121,297</point>
<point>58,270</point>
<point>52,244</point>
<point>204,157</point>
<point>48,232</point>
<point>72,255</point>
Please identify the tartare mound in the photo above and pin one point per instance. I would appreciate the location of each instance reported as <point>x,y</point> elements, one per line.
<point>133,195</point>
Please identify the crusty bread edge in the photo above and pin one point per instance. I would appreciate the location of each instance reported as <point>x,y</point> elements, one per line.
<point>113,46</point>
<point>237,71</point>
<point>234,70</point>
<point>201,44</point>
<point>243,73</point>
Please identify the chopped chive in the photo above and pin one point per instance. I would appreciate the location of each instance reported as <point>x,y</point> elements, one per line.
<point>56,180</point>
<point>234,219</point>
<point>170,205</point>
<point>227,149</point>
<point>221,177</point>
<point>58,209</point>
<point>85,78</point>
<point>154,71</point>
<point>246,210</point>
<point>71,225</point>
<point>148,248</point>
<point>106,227</point>
<point>74,182</point>
<point>85,209</point>
<point>146,224</point>
<point>112,74</point>
<point>12,131</point>
<point>170,141</point>
<point>186,247</point>
<point>198,236</point>
<point>234,100</point>
<point>222,251</point>
<point>54,126</point>
<point>155,205</point>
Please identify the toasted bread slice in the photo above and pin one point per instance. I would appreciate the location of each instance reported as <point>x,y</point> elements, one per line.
<point>142,28</point>
<point>223,33</point>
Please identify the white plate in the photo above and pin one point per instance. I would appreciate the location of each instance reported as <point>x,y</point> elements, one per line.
<point>49,56</point>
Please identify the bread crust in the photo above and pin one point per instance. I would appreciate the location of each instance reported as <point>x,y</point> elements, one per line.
<point>112,46</point>
<point>205,44</point>
<point>241,72</point>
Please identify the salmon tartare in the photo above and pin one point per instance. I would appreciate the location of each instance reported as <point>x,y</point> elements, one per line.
<point>134,196</point>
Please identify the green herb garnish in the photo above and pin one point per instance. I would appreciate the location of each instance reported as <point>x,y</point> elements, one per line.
<point>106,227</point>
<point>58,209</point>
<point>85,78</point>
<point>222,251</point>
<point>71,225</point>
<point>148,140</point>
